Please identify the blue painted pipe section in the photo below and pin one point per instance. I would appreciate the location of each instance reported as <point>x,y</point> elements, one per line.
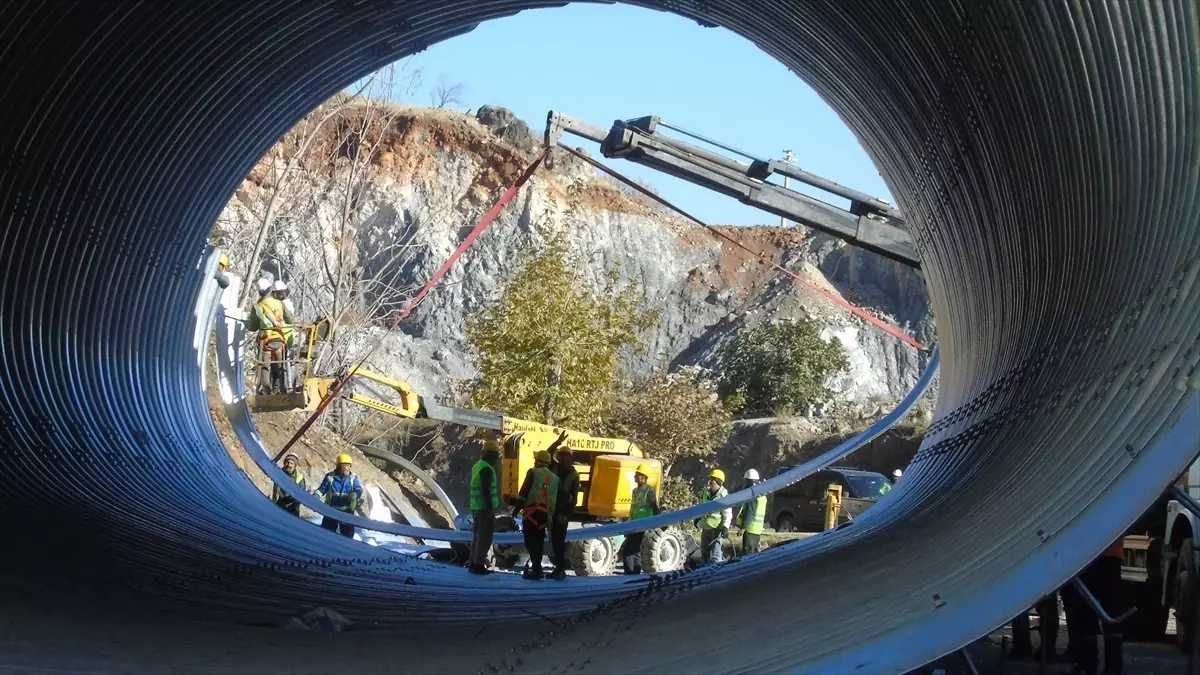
<point>1044,155</point>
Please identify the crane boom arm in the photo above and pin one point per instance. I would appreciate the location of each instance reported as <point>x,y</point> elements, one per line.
<point>870,223</point>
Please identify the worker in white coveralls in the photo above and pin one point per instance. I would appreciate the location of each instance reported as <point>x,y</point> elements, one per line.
<point>751,516</point>
<point>714,527</point>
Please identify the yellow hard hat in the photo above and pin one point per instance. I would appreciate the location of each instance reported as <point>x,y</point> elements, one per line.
<point>344,458</point>
<point>224,260</point>
<point>541,457</point>
<point>643,469</point>
<point>718,474</point>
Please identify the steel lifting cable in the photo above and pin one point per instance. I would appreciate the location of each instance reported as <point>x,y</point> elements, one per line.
<point>429,285</point>
<point>886,327</point>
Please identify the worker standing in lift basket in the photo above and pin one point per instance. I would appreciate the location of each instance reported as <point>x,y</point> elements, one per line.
<point>256,323</point>
<point>279,291</point>
<point>272,338</point>
<point>751,516</point>
<point>485,499</point>
<point>291,466</point>
<point>536,503</point>
<point>714,527</point>
<point>643,503</point>
<point>568,494</point>
<point>342,490</point>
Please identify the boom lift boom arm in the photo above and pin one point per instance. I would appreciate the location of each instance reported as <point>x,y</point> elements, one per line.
<point>871,223</point>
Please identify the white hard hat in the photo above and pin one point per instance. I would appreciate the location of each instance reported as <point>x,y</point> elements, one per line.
<point>279,285</point>
<point>751,474</point>
<point>897,473</point>
<point>264,285</point>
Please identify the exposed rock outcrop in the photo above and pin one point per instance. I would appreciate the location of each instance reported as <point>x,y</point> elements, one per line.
<point>437,172</point>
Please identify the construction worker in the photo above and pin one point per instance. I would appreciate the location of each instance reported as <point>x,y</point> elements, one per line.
<point>342,490</point>
<point>715,526</point>
<point>485,499</point>
<point>1103,578</point>
<point>896,475</point>
<point>272,337</point>
<point>750,517</point>
<point>279,291</point>
<point>222,275</point>
<point>536,503</point>
<point>291,466</point>
<point>643,503</point>
<point>568,494</point>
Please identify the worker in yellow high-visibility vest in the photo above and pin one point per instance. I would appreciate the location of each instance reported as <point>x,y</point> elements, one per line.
<point>643,503</point>
<point>751,515</point>
<point>279,291</point>
<point>291,466</point>
<point>273,340</point>
<point>485,499</point>
<point>715,526</point>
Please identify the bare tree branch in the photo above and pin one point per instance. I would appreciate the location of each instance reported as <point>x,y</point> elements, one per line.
<point>445,95</point>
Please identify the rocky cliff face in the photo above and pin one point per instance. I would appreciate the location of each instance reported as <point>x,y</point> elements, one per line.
<point>436,172</point>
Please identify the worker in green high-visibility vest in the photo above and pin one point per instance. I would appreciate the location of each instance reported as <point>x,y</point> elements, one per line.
<point>485,499</point>
<point>714,527</point>
<point>750,517</point>
<point>643,503</point>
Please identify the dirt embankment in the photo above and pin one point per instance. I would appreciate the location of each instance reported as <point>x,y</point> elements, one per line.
<point>318,450</point>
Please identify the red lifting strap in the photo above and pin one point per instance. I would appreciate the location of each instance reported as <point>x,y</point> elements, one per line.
<point>858,311</point>
<point>408,309</point>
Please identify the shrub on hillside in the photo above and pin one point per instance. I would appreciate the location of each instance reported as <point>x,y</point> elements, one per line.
<point>778,368</point>
<point>672,416</point>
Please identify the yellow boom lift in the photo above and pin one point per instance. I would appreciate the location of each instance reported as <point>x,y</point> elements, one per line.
<point>605,465</point>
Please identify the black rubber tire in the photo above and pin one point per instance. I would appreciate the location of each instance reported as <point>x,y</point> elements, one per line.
<point>785,523</point>
<point>592,557</point>
<point>663,550</point>
<point>1184,595</point>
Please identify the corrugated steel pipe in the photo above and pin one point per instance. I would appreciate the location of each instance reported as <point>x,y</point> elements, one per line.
<point>1045,155</point>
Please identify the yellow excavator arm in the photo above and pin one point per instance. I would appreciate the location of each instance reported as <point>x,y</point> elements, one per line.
<point>410,401</point>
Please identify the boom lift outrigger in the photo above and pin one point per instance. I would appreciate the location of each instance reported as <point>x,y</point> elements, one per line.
<point>871,223</point>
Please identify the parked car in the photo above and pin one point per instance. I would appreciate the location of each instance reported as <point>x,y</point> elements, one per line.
<point>800,507</point>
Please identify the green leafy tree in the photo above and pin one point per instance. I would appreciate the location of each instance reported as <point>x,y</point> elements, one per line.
<point>778,367</point>
<point>672,416</point>
<point>550,348</point>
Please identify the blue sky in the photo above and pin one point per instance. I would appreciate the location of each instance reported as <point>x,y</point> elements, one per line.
<point>599,63</point>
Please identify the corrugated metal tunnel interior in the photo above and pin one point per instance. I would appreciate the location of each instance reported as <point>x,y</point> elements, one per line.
<point>1047,159</point>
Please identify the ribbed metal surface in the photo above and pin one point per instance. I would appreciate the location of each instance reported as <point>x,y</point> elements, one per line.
<point>1045,155</point>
